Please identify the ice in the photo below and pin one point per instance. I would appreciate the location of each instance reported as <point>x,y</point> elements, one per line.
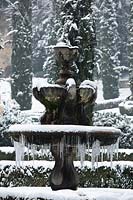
<point>79,148</point>
<point>95,153</point>
<point>44,150</point>
<point>62,147</point>
<point>82,154</point>
<point>19,151</point>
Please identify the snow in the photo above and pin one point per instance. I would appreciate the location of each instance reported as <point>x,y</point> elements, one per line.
<point>5,89</point>
<point>60,128</point>
<point>11,32</point>
<point>7,149</point>
<point>74,26</point>
<point>70,82</point>
<point>65,130</point>
<point>127,105</point>
<point>64,45</point>
<point>88,84</point>
<point>43,82</point>
<point>80,194</point>
<point>50,164</point>
<point>124,92</point>
<point>37,107</point>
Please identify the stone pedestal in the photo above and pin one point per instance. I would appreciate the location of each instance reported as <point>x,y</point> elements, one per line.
<point>64,175</point>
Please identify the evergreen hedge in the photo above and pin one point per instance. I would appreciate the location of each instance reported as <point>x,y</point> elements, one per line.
<point>123,122</point>
<point>10,176</point>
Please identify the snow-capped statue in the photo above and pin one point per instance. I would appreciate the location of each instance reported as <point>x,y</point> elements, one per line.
<point>71,88</point>
<point>88,92</point>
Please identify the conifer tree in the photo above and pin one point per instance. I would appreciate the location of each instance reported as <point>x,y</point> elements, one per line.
<point>21,54</point>
<point>130,44</point>
<point>42,14</point>
<point>122,16</point>
<point>73,22</point>
<point>109,49</point>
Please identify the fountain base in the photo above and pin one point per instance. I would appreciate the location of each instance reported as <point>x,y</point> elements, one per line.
<point>64,175</point>
<point>66,141</point>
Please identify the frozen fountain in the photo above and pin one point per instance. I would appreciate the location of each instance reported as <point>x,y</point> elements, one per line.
<point>64,125</point>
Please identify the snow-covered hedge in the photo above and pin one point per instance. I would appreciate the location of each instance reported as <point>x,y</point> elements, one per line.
<point>11,115</point>
<point>122,122</point>
<point>118,177</point>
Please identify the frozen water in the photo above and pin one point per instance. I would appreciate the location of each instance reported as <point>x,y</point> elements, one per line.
<point>79,148</point>
<point>95,153</point>
<point>19,150</point>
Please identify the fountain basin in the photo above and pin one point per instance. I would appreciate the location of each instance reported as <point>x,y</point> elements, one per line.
<point>65,141</point>
<point>48,134</point>
<point>49,95</point>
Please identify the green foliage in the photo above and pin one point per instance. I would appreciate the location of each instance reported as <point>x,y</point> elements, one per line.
<point>119,121</point>
<point>101,177</point>
<point>106,177</point>
<point>11,116</point>
<point>7,156</point>
<point>43,36</point>
<point>79,29</point>
<point>130,42</point>
<point>109,47</point>
<point>72,21</point>
<point>21,54</point>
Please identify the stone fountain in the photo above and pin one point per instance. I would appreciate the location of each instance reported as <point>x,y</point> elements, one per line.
<point>64,125</point>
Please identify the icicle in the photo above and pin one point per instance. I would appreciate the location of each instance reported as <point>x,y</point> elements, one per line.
<point>33,152</point>
<point>88,149</point>
<point>82,154</point>
<point>42,150</point>
<point>62,147</point>
<point>28,151</point>
<point>117,147</point>
<point>111,150</point>
<point>19,151</point>
<point>80,151</point>
<point>78,148</point>
<point>111,155</point>
<point>102,153</point>
<point>95,153</point>
<point>88,146</point>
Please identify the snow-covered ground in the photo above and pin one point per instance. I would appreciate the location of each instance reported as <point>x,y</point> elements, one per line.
<point>50,164</point>
<point>80,194</point>
<point>124,92</point>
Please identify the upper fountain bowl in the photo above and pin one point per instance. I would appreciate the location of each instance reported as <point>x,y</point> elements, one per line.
<point>65,52</point>
<point>49,95</point>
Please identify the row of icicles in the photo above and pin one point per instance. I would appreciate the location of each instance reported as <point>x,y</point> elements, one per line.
<point>80,150</point>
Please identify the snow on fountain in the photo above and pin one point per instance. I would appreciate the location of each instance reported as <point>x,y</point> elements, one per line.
<point>64,125</point>
<point>73,141</point>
